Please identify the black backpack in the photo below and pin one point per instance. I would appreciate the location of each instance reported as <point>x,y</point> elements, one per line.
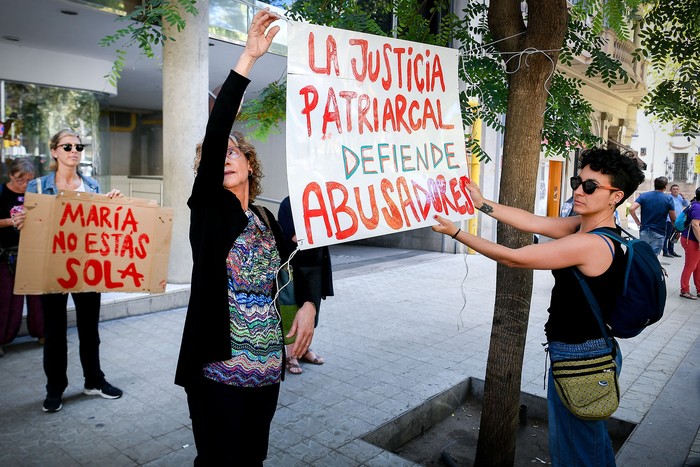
<point>643,297</point>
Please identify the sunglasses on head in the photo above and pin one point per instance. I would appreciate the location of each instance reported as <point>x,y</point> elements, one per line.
<point>589,186</point>
<point>69,147</point>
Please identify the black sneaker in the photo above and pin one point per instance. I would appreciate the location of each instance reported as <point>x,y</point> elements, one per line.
<point>52,404</point>
<point>106,390</point>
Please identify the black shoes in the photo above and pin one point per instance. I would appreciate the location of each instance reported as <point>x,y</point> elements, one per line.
<point>106,390</point>
<point>52,403</point>
<point>668,255</point>
<point>675,254</point>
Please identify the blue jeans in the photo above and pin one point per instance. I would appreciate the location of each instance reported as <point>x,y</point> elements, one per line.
<point>572,441</point>
<point>653,238</point>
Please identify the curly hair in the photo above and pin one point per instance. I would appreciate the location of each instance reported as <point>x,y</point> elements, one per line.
<point>622,167</point>
<point>248,150</point>
<point>255,177</point>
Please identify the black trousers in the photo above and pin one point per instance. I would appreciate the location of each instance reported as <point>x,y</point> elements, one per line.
<point>87,310</point>
<point>231,425</point>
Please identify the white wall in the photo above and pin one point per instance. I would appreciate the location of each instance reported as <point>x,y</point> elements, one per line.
<point>54,69</point>
<point>661,149</point>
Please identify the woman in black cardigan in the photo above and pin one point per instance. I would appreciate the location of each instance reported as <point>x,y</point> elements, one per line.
<point>232,352</point>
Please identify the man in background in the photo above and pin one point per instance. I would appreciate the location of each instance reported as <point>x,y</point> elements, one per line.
<point>679,202</point>
<point>656,207</point>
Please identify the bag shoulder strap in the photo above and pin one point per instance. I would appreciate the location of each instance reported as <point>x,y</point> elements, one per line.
<point>593,303</point>
<point>260,211</point>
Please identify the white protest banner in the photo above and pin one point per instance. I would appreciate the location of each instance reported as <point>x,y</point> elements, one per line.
<point>80,242</point>
<point>375,141</point>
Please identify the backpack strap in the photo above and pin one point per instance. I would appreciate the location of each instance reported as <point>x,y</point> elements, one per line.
<point>593,303</point>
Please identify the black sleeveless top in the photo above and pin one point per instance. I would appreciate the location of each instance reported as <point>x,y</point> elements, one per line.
<point>571,319</point>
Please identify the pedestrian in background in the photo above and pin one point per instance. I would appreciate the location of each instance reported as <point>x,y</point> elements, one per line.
<point>689,242</point>
<point>66,148</point>
<point>232,352</point>
<point>656,207</point>
<point>606,179</point>
<point>316,265</point>
<point>12,216</point>
<point>679,203</point>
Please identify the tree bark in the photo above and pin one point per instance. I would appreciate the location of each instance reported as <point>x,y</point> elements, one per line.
<point>529,79</point>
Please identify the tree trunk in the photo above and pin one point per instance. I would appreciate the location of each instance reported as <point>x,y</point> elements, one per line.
<point>530,75</point>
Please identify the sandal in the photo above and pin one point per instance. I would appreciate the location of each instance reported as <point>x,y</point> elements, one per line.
<point>311,357</point>
<point>688,295</point>
<point>293,366</point>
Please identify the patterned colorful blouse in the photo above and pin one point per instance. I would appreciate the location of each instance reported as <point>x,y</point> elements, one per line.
<point>256,337</point>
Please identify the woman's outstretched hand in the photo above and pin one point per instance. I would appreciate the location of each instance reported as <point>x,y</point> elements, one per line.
<point>445,226</point>
<point>474,193</point>
<point>258,41</point>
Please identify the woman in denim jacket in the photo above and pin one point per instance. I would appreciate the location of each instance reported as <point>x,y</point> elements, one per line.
<point>66,148</point>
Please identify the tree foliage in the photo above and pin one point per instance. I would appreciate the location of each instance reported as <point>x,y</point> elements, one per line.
<point>482,67</point>
<point>670,34</point>
<point>567,124</point>
<point>144,30</point>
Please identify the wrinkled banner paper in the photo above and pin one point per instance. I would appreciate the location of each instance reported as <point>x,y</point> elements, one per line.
<point>375,140</point>
<point>87,242</point>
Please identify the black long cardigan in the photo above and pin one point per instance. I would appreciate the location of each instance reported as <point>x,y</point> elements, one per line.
<point>216,220</point>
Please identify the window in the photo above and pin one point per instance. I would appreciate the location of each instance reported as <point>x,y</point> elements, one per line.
<point>680,166</point>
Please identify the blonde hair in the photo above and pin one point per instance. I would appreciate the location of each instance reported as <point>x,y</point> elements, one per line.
<point>53,144</point>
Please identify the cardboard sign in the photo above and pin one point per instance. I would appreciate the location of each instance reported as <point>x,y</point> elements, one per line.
<point>86,242</point>
<point>375,141</point>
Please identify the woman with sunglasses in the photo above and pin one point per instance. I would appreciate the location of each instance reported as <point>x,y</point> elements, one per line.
<point>232,352</point>
<point>11,221</point>
<point>66,148</point>
<point>605,180</point>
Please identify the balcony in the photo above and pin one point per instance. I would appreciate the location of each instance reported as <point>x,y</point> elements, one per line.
<point>621,50</point>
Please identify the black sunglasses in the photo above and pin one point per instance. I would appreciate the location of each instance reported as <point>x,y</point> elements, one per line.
<point>69,147</point>
<point>589,186</point>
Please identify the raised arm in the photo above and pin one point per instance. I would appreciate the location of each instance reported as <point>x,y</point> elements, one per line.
<point>553,227</point>
<point>588,252</point>
<point>258,41</point>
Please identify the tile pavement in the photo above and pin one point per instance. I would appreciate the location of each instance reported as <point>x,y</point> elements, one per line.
<point>403,327</point>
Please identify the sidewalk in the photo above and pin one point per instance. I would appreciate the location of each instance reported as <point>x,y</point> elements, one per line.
<point>404,326</point>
